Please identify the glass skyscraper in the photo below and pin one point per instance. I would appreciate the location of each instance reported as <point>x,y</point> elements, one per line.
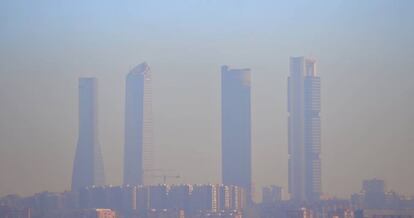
<point>304,129</point>
<point>236,128</point>
<point>138,149</point>
<point>88,169</point>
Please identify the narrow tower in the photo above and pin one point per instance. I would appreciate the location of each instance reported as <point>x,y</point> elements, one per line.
<point>138,149</point>
<point>88,167</point>
<point>236,128</point>
<point>304,130</point>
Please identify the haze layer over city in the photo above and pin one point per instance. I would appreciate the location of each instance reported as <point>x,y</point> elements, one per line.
<point>364,55</point>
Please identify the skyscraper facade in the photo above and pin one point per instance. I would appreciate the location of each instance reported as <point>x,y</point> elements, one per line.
<point>88,166</point>
<point>138,149</point>
<point>304,130</point>
<point>236,128</point>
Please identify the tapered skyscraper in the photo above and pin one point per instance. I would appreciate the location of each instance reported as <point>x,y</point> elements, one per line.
<point>138,150</point>
<point>304,129</point>
<point>88,167</point>
<point>236,128</point>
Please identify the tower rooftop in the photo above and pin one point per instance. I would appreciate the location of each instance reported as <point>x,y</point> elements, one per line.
<point>140,68</point>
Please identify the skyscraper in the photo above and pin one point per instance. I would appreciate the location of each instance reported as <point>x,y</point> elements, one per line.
<point>138,150</point>
<point>88,167</point>
<point>236,128</point>
<point>304,130</point>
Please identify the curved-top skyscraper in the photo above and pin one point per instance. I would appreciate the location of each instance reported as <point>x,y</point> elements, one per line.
<point>304,130</point>
<point>138,149</point>
<point>88,166</point>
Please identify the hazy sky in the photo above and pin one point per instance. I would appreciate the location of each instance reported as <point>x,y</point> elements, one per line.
<point>364,50</point>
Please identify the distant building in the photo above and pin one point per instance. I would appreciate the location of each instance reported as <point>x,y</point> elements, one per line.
<point>222,214</point>
<point>99,197</point>
<point>46,203</point>
<point>129,199</point>
<point>384,213</point>
<point>14,212</point>
<point>236,128</point>
<point>143,198</point>
<point>138,149</point>
<point>116,197</point>
<point>93,213</point>
<point>300,213</point>
<point>373,186</point>
<point>132,201</point>
<point>158,197</point>
<point>231,198</point>
<point>224,195</point>
<point>122,199</point>
<point>304,131</point>
<point>204,198</point>
<point>272,194</point>
<point>166,213</point>
<point>340,213</point>
<point>179,197</point>
<point>88,169</point>
<point>374,194</point>
<point>238,197</point>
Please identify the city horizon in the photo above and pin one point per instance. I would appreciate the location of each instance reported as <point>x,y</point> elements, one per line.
<point>165,172</point>
<point>299,101</point>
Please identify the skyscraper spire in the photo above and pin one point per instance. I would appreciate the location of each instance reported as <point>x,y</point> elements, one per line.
<point>88,166</point>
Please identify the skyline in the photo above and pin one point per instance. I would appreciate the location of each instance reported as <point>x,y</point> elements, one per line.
<point>88,93</point>
<point>364,52</point>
